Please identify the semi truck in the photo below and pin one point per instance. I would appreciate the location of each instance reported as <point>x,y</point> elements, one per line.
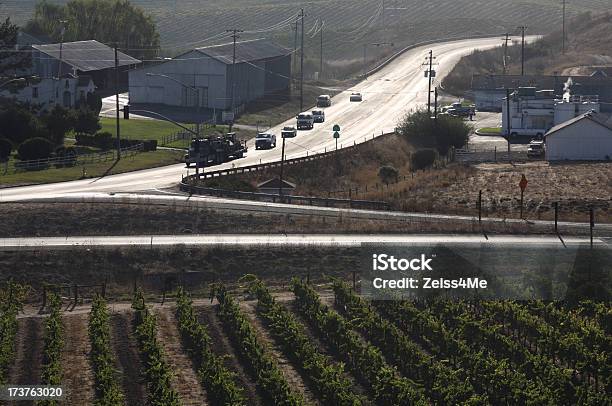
<point>209,151</point>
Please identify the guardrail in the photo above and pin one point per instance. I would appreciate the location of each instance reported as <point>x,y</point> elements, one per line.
<point>289,199</point>
<point>420,44</point>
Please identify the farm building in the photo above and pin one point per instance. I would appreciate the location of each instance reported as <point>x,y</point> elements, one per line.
<point>261,68</point>
<point>90,58</point>
<point>584,138</point>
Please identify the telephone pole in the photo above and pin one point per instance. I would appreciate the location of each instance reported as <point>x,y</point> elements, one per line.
<point>293,61</point>
<point>563,41</point>
<point>321,56</point>
<point>234,36</point>
<point>430,74</point>
<point>302,64</point>
<point>117,101</point>
<point>506,40</point>
<point>384,27</point>
<point>522,28</point>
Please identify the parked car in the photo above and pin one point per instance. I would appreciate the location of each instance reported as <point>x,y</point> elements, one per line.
<point>305,121</point>
<point>265,141</point>
<point>536,149</point>
<point>356,97</point>
<point>288,132</point>
<point>324,101</point>
<point>318,116</point>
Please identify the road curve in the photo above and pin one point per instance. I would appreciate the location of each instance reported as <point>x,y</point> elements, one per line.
<point>388,95</point>
<point>297,240</point>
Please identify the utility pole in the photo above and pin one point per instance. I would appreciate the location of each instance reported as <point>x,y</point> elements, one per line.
<point>280,183</point>
<point>384,27</point>
<point>295,39</point>
<point>522,28</point>
<point>508,125</point>
<point>321,56</point>
<point>63,31</point>
<point>365,68</point>
<point>234,35</point>
<point>436,103</point>
<point>563,41</point>
<point>117,101</point>
<point>506,40</point>
<point>430,75</point>
<point>302,64</point>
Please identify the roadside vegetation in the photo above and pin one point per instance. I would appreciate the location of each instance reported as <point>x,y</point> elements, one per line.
<point>588,43</point>
<point>143,160</point>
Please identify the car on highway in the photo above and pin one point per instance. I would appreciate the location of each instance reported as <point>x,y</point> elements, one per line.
<point>265,140</point>
<point>305,121</point>
<point>288,132</point>
<point>318,116</point>
<point>324,101</point>
<point>536,149</point>
<point>356,97</point>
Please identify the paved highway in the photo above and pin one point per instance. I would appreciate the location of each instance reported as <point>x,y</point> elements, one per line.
<point>325,240</point>
<point>388,95</point>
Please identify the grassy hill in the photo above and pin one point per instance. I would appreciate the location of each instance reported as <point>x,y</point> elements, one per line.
<point>348,24</point>
<point>588,43</point>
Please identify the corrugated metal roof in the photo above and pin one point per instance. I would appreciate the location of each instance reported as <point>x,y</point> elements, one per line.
<point>593,116</point>
<point>246,51</point>
<point>86,56</point>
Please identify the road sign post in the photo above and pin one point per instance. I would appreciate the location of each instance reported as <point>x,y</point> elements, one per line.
<point>523,185</point>
<point>336,130</point>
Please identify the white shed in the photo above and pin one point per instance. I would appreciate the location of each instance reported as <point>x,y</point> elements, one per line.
<point>584,138</point>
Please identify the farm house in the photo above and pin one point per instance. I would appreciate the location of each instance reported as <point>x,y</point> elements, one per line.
<point>262,68</point>
<point>584,138</point>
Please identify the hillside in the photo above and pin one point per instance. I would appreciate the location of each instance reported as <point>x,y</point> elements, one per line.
<point>348,24</point>
<point>588,43</point>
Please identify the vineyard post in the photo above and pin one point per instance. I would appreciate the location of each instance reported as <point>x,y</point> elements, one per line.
<point>76,294</point>
<point>480,206</point>
<point>104,289</point>
<point>591,224</point>
<point>556,217</point>
<point>354,281</point>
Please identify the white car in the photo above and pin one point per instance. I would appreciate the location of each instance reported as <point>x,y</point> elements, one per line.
<point>305,121</point>
<point>265,141</point>
<point>356,97</point>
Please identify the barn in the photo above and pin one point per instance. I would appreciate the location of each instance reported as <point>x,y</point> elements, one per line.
<point>261,68</point>
<point>585,138</point>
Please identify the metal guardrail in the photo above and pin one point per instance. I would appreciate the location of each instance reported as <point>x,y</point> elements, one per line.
<point>420,44</point>
<point>269,165</point>
<point>289,199</point>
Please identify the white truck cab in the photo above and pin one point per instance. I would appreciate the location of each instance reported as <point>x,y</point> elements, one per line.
<point>305,121</point>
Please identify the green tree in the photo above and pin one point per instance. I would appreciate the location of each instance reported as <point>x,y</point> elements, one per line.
<point>18,124</point>
<point>86,121</point>
<point>107,21</point>
<point>5,149</point>
<point>11,61</point>
<point>388,174</point>
<point>58,122</point>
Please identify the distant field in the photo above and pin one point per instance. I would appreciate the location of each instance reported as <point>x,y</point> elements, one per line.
<point>348,23</point>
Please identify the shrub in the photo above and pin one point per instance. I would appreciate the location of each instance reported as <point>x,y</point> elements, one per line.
<point>58,122</point>
<point>68,155</point>
<point>150,145</point>
<point>387,174</point>
<point>35,148</point>
<point>87,121</point>
<point>423,158</point>
<point>5,149</point>
<point>102,140</point>
<point>441,134</point>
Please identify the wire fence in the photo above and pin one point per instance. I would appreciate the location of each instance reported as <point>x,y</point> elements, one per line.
<point>12,166</point>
